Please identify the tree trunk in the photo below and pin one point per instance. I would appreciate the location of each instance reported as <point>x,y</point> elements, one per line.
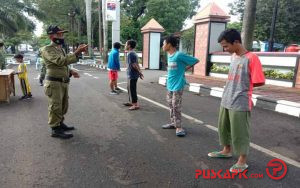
<point>272,32</point>
<point>88,5</point>
<point>248,23</point>
<point>100,28</point>
<point>79,30</point>
<point>104,32</point>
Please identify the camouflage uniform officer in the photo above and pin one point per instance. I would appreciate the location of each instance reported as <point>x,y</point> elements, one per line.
<point>57,80</point>
<point>2,56</point>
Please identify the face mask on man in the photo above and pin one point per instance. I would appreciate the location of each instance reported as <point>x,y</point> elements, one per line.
<point>58,41</point>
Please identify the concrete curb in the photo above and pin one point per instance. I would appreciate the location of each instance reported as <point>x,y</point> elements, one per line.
<point>102,67</point>
<point>281,106</point>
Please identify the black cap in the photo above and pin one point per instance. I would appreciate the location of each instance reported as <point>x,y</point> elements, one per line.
<point>53,29</point>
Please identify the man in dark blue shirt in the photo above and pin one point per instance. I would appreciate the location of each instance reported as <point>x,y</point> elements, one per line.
<point>133,74</point>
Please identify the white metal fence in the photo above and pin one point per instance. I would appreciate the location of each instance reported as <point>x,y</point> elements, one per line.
<point>280,68</point>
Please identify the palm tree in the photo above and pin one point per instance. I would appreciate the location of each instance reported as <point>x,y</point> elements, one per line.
<point>13,18</point>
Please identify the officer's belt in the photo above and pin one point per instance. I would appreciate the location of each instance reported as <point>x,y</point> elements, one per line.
<point>64,80</point>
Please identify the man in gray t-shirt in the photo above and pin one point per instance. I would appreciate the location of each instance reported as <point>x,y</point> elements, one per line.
<point>245,71</point>
<point>234,117</point>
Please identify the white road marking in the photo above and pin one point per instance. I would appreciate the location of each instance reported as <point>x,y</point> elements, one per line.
<point>157,135</point>
<point>122,83</point>
<point>254,146</point>
<point>87,74</point>
<point>96,77</point>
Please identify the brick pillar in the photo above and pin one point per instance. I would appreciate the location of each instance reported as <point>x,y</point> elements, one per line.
<point>151,44</point>
<point>297,84</point>
<point>209,23</point>
<point>201,48</point>
<point>146,50</point>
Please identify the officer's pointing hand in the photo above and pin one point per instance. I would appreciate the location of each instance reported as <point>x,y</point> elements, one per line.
<point>81,48</point>
<point>75,74</point>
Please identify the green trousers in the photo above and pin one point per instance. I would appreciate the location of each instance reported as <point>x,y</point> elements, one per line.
<point>234,130</point>
<point>58,101</point>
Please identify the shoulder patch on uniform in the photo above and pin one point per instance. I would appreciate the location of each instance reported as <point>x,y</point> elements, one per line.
<point>48,47</point>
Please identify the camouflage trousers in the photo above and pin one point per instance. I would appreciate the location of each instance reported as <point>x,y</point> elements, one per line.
<point>174,99</point>
<point>58,101</point>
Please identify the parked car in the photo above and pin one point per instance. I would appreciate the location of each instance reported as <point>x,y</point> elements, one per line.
<point>292,48</point>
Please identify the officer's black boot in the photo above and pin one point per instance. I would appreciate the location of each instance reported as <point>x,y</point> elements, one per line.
<point>58,132</point>
<point>65,127</point>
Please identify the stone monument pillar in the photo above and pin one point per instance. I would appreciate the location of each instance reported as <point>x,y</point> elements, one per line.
<point>209,23</point>
<point>151,44</point>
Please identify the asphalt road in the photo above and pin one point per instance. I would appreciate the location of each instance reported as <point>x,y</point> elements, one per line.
<point>115,147</point>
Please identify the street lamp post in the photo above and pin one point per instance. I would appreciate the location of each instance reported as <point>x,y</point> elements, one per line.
<point>104,22</point>
<point>271,40</point>
<point>100,29</point>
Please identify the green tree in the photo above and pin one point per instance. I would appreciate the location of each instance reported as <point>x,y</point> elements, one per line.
<point>134,15</point>
<point>170,14</point>
<point>188,40</point>
<point>68,14</point>
<point>18,38</point>
<point>13,16</point>
<point>287,23</point>
<point>130,29</point>
<point>38,42</point>
<point>134,8</point>
<point>237,8</point>
<point>235,25</point>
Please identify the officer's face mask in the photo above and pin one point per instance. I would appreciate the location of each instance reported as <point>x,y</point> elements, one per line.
<point>58,41</point>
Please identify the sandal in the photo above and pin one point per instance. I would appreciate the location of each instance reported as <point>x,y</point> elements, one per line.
<point>180,133</point>
<point>127,104</point>
<point>218,154</point>
<point>238,168</point>
<point>134,108</point>
<point>169,126</point>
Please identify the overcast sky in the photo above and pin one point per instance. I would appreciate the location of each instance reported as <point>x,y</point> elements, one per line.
<point>222,3</point>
